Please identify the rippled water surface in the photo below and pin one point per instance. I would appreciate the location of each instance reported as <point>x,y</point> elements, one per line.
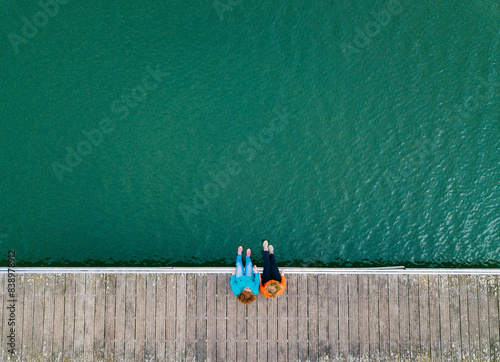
<point>169,133</point>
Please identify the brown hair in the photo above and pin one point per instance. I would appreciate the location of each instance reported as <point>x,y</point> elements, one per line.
<point>246,297</point>
<point>273,288</point>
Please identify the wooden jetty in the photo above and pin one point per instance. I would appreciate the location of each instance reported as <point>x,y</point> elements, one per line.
<point>175,315</point>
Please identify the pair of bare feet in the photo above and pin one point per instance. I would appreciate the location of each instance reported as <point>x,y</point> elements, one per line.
<point>268,247</point>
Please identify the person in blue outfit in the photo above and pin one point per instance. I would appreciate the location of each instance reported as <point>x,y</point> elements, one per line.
<point>245,285</point>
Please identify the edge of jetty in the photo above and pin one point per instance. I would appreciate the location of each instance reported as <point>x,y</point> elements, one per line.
<point>178,314</point>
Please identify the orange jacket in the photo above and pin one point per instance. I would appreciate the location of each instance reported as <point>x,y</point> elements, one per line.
<point>265,293</point>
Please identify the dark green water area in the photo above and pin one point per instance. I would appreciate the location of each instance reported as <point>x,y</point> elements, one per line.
<point>167,133</point>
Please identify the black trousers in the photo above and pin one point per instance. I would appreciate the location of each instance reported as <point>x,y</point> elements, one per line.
<point>271,271</point>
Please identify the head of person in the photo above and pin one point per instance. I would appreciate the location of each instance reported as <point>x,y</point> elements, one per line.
<point>246,296</point>
<point>273,288</point>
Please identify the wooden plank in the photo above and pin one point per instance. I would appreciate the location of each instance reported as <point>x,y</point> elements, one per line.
<point>171,308</point>
<point>444,315</point>
<point>79,316</point>
<point>38,316</point>
<point>363,325</point>
<point>69,318</point>
<point>303,345</point>
<point>272,329</point>
<point>484,333</point>
<point>211,317</point>
<point>423,303</point>
<point>221,317</point>
<point>19,322</point>
<point>456,343</point>
<point>434,318</point>
<point>404,317</point>
<point>475,352</point>
<point>9,292</point>
<point>383,314</point>
<point>88,341</point>
<point>262,329</point>
<point>59,292</point>
<point>109,316</point>
<point>333,316</point>
<point>252,330</point>
<point>27,315</point>
<point>130,300</point>
<point>292,312</point>
<point>313,334</point>
<point>160,323</point>
<point>343,318</point>
<point>323,295</point>
<point>464,317</point>
<point>241,328</point>
<point>100,310</point>
<point>121,285</point>
<point>8,297</point>
<point>373,311</point>
<point>201,321</point>
<point>393,317</point>
<point>232,321</point>
<point>191,317</point>
<point>150,347</point>
<point>415,344</point>
<point>493,313</point>
<point>354,345</point>
<point>4,324</point>
<point>180,334</point>
<point>140,318</point>
<point>282,337</point>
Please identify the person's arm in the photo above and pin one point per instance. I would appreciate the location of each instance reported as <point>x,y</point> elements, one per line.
<point>234,285</point>
<point>283,280</point>
<point>256,283</point>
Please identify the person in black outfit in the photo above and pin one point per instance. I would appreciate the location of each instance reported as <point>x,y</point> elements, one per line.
<point>271,271</point>
<point>273,283</point>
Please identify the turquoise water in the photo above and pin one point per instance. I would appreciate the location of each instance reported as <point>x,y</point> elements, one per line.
<point>169,133</point>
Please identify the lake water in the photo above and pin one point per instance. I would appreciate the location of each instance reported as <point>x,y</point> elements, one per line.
<point>168,133</point>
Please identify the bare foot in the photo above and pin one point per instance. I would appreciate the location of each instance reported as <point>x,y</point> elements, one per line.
<point>249,252</point>
<point>265,244</point>
<point>240,250</point>
<point>271,249</point>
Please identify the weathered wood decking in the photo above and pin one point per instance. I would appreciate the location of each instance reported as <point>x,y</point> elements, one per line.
<point>179,317</point>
